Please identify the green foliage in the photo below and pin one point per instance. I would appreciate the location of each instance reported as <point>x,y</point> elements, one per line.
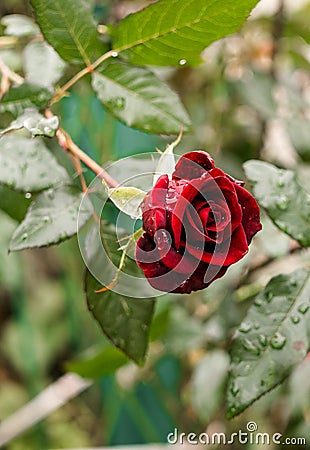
<point>25,162</point>
<point>138,98</point>
<point>229,104</point>
<point>34,122</point>
<point>104,362</point>
<point>273,338</point>
<point>172,32</point>
<point>28,95</point>
<point>69,27</point>
<point>51,218</point>
<point>287,204</point>
<point>124,320</point>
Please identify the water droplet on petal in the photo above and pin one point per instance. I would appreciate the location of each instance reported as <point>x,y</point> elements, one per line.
<point>24,236</point>
<point>28,195</point>
<point>182,62</point>
<point>114,54</point>
<point>278,341</point>
<point>293,283</point>
<point>303,308</point>
<point>269,296</point>
<point>46,219</point>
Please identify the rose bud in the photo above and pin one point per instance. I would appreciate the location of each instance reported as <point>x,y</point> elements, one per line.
<point>196,225</point>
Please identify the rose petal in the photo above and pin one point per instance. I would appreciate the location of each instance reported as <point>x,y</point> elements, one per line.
<point>153,207</point>
<point>250,213</point>
<point>193,165</point>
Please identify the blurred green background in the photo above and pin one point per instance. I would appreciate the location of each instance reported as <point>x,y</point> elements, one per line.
<point>250,99</point>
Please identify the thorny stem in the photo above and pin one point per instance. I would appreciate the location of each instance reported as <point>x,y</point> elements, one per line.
<point>7,76</point>
<point>66,142</point>
<point>81,74</point>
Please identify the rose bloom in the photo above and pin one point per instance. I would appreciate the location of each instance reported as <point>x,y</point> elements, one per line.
<point>195,225</point>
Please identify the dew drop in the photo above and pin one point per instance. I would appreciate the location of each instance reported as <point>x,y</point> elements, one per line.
<point>263,340</point>
<point>182,62</point>
<point>256,325</point>
<point>262,382</point>
<point>282,202</point>
<point>28,195</point>
<point>258,302</point>
<point>280,184</point>
<point>295,319</point>
<point>51,194</point>
<point>303,308</point>
<point>278,341</point>
<point>234,389</point>
<point>293,283</point>
<point>268,296</point>
<point>46,219</point>
<point>114,54</point>
<point>24,236</point>
<point>248,345</point>
<point>245,327</point>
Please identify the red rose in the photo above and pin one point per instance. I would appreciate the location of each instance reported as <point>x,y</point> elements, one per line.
<point>196,225</point>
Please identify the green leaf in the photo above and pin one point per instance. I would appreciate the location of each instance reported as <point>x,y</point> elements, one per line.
<point>68,26</point>
<point>27,95</point>
<point>137,97</point>
<point>286,203</point>
<point>128,199</point>
<point>105,362</point>
<point>273,338</point>
<point>19,25</point>
<point>172,32</point>
<point>51,218</point>
<point>42,65</point>
<point>35,123</point>
<point>14,203</point>
<point>124,320</point>
<point>25,164</point>
<point>207,383</point>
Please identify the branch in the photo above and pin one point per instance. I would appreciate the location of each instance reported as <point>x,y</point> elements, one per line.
<point>81,74</point>
<point>66,142</point>
<point>7,76</point>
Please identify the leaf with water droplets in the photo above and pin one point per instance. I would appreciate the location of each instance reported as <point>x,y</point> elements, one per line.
<point>138,98</point>
<point>51,218</point>
<point>27,165</point>
<point>27,95</point>
<point>175,32</point>
<point>35,123</point>
<point>264,356</point>
<point>286,202</point>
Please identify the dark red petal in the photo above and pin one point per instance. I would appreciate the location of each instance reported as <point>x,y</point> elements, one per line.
<point>170,257</point>
<point>193,165</point>
<point>201,279</point>
<point>225,253</point>
<point>250,213</point>
<point>153,207</point>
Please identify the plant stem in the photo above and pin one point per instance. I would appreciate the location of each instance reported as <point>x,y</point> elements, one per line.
<point>81,74</point>
<point>7,76</point>
<point>66,142</point>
